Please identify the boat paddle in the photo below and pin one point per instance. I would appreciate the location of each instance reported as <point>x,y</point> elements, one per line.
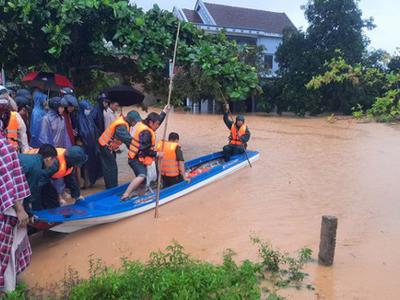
<point>171,78</point>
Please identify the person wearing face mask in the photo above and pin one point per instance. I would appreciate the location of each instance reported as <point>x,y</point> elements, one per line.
<point>91,171</point>
<point>69,114</point>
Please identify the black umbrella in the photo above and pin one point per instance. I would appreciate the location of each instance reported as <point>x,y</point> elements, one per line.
<point>125,95</point>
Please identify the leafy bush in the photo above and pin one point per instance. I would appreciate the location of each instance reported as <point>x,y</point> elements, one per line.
<point>358,112</point>
<point>174,274</point>
<point>386,108</point>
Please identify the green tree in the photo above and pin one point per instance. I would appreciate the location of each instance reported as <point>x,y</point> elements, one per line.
<point>297,66</point>
<point>78,37</point>
<point>350,85</point>
<point>337,24</point>
<point>333,25</point>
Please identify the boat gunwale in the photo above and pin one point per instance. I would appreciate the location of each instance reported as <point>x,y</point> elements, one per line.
<point>166,193</point>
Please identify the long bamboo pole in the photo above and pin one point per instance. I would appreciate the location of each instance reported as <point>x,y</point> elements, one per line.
<point>171,79</point>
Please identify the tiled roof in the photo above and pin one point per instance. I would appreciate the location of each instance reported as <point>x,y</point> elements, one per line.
<point>192,16</point>
<point>239,17</point>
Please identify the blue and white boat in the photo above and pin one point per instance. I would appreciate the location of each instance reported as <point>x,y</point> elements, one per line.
<point>106,206</point>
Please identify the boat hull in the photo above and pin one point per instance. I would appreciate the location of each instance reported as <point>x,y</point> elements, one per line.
<point>147,202</point>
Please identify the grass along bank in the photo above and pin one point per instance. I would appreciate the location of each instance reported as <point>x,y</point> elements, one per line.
<point>174,274</point>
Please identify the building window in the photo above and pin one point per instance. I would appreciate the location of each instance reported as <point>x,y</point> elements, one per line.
<point>268,61</point>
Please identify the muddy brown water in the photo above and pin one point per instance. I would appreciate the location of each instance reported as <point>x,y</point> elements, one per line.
<point>308,168</point>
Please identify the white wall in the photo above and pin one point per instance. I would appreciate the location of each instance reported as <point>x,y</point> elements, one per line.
<point>271,44</point>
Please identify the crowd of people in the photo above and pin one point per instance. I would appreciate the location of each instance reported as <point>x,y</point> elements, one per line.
<point>51,146</point>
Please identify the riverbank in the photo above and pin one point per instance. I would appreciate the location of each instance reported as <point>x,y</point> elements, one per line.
<point>308,168</point>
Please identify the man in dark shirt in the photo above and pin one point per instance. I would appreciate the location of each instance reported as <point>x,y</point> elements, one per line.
<point>240,135</point>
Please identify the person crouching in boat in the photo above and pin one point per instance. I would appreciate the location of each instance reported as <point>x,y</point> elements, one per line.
<point>142,151</point>
<point>172,164</point>
<point>239,137</point>
<point>38,166</point>
<point>110,141</point>
<point>68,160</point>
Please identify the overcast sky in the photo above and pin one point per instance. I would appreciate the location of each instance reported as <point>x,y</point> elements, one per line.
<point>386,14</point>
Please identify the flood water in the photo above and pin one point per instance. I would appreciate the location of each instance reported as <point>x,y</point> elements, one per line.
<point>308,168</point>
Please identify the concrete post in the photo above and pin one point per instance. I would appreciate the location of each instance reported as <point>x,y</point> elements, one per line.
<point>328,240</point>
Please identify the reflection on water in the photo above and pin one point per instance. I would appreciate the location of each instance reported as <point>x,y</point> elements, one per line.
<point>308,168</point>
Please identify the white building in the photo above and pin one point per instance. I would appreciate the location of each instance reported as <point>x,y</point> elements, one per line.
<point>250,26</point>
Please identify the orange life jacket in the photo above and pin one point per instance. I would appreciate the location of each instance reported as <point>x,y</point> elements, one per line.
<point>12,130</point>
<point>234,138</point>
<point>135,144</point>
<point>108,137</point>
<point>62,163</point>
<point>169,163</point>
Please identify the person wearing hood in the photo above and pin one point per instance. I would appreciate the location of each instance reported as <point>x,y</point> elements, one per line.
<point>100,110</point>
<point>53,130</point>
<point>24,93</point>
<point>88,137</point>
<point>239,136</point>
<point>67,161</point>
<point>110,141</point>
<point>38,112</point>
<point>5,93</point>
<point>70,114</point>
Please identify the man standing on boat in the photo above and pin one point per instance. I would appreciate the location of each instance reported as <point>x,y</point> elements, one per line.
<point>239,137</point>
<point>110,141</point>
<point>142,150</point>
<point>172,164</point>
